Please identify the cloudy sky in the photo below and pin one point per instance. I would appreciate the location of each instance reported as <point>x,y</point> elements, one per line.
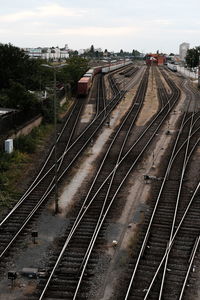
<point>144,25</point>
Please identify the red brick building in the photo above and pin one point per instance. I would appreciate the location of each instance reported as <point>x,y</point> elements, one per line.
<point>158,59</point>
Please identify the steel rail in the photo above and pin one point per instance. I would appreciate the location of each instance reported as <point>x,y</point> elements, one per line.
<point>147,232</point>
<point>185,162</point>
<point>100,96</point>
<point>43,198</point>
<point>36,182</point>
<point>30,188</point>
<point>129,79</point>
<point>140,98</point>
<point>175,212</point>
<point>175,232</point>
<point>153,214</point>
<point>168,249</point>
<point>196,245</point>
<point>79,216</point>
<point>86,208</point>
<point>103,214</point>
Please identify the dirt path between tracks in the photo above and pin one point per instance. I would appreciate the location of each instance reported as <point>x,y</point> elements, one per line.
<point>124,230</point>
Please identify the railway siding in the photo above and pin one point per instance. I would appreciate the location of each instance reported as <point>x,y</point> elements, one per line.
<point>132,206</point>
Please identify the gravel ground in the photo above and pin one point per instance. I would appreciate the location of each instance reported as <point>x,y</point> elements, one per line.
<point>122,229</point>
<point>32,255</point>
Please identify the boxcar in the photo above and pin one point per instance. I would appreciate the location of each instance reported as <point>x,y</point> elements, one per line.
<point>97,70</point>
<point>84,85</point>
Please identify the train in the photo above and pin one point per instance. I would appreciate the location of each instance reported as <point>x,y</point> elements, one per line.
<point>172,67</point>
<point>85,83</point>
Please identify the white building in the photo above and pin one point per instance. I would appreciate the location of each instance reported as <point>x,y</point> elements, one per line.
<point>34,52</point>
<point>53,53</point>
<point>183,48</point>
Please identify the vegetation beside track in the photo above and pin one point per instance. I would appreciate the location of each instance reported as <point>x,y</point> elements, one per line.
<point>15,167</point>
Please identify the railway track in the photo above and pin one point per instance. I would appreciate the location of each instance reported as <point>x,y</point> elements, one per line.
<point>70,267</point>
<point>45,183</point>
<point>85,265</point>
<point>91,219</point>
<point>170,237</point>
<point>10,223</point>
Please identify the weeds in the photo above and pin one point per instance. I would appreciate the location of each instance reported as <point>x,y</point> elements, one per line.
<point>13,167</point>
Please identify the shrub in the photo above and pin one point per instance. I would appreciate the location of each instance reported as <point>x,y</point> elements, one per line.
<point>25,144</point>
<point>5,200</point>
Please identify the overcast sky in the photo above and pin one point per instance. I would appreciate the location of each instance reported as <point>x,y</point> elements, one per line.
<point>143,25</point>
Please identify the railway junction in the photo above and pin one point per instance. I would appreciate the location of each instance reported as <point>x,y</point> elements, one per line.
<point>127,180</point>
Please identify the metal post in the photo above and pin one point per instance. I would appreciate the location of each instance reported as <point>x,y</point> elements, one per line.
<point>152,73</point>
<point>55,144</point>
<point>199,73</point>
<point>55,134</point>
<point>124,81</point>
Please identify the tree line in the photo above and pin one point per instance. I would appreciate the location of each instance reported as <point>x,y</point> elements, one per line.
<point>96,54</point>
<point>192,57</point>
<point>20,75</point>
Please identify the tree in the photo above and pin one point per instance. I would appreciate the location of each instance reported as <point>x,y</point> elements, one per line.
<point>20,98</point>
<point>192,57</point>
<point>92,49</point>
<point>135,53</point>
<point>16,66</point>
<point>77,66</point>
<point>106,54</point>
<point>91,52</point>
<point>121,53</point>
<point>18,74</point>
<point>73,53</point>
<point>97,54</point>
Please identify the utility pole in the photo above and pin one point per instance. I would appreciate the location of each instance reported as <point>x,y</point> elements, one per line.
<point>55,144</point>
<point>199,74</point>
<point>55,68</point>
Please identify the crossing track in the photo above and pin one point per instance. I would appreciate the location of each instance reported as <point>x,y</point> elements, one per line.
<point>97,97</point>
<point>170,237</point>
<point>109,160</point>
<point>44,184</point>
<point>75,262</point>
<point>101,97</point>
<point>9,224</point>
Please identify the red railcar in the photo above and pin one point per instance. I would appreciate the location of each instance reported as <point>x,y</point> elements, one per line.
<point>84,85</point>
<point>97,70</point>
<point>85,82</point>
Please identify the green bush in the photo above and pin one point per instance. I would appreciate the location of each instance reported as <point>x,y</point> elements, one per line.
<point>5,200</point>
<point>25,144</point>
<point>3,181</point>
<point>13,166</point>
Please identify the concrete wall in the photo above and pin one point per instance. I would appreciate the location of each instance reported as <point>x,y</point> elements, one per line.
<point>28,127</point>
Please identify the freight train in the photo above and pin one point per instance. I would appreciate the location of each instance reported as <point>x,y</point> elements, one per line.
<point>84,84</point>
<point>172,67</point>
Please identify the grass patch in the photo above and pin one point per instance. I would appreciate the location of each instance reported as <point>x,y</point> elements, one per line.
<point>29,143</point>
<point>62,110</point>
<point>14,166</point>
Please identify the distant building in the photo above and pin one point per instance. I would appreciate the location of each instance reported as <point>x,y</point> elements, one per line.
<point>33,52</point>
<point>53,53</point>
<point>85,51</point>
<point>183,48</point>
<point>157,59</point>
